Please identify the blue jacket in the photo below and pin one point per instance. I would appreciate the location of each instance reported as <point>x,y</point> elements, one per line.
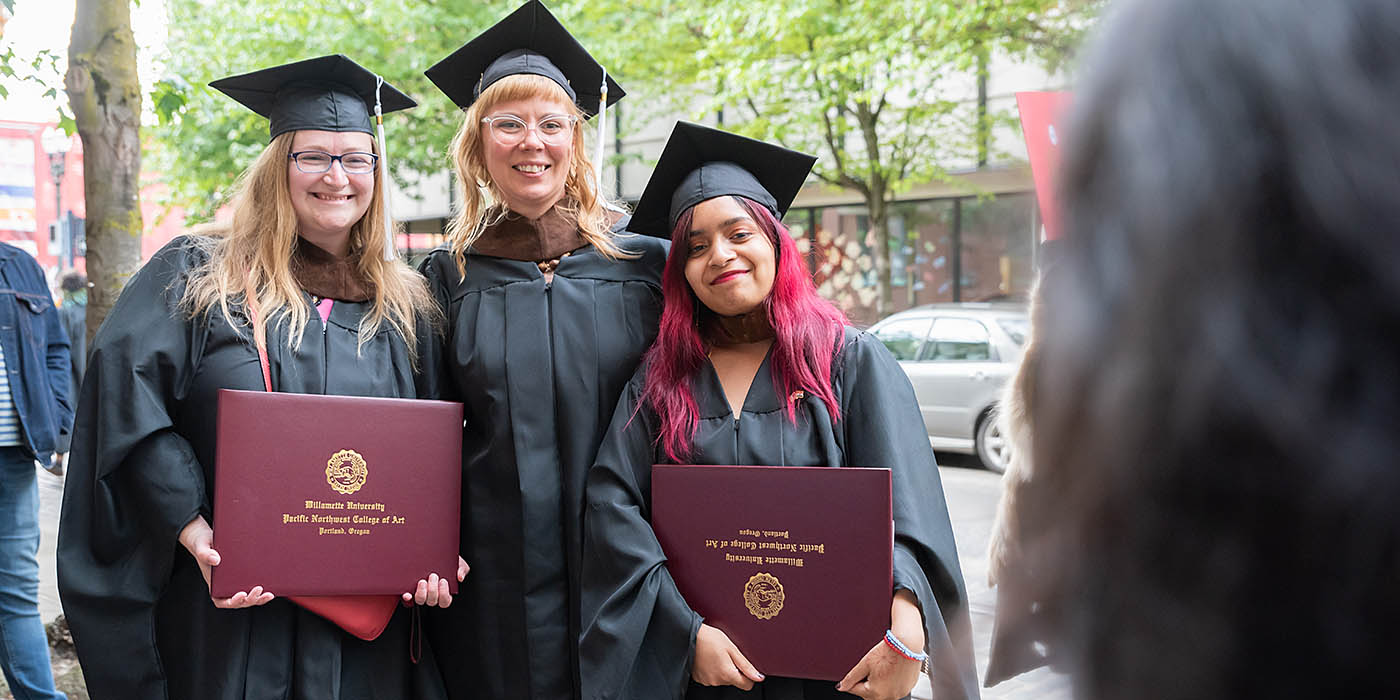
<point>36,355</point>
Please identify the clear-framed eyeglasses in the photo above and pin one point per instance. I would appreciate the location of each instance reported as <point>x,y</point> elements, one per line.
<point>353,163</point>
<point>509,130</point>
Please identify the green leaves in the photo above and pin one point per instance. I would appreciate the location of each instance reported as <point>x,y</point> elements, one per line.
<point>203,140</point>
<point>169,98</point>
<point>877,88</point>
<point>41,70</point>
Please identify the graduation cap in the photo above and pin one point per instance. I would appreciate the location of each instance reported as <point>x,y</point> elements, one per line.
<point>529,41</point>
<point>701,163</point>
<point>330,93</point>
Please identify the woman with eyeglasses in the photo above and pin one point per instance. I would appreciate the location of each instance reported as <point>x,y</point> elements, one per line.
<point>306,258</point>
<point>548,312</point>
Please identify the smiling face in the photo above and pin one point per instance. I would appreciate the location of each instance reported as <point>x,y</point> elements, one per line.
<point>328,204</point>
<point>730,262</point>
<point>530,174</point>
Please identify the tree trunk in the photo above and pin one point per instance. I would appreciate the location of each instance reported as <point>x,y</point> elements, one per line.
<point>105,94</point>
<point>880,233</point>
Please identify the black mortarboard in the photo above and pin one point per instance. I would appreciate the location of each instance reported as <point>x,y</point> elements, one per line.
<point>330,93</point>
<point>701,163</point>
<point>531,41</point>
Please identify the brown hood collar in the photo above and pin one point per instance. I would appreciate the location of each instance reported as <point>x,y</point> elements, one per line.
<point>324,275</point>
<point>515,237</point>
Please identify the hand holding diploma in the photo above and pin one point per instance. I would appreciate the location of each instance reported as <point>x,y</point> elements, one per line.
<point>719,662</point>
<point>198,538</point>
<point>885,674</point>
<point>433,591</point>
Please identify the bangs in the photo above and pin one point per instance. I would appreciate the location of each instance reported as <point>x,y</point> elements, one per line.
<point>526,86</point>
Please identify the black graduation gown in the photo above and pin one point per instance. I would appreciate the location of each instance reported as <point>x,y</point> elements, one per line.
<point>142,467</point>
<point>539,368</point>
<point>639,634</point>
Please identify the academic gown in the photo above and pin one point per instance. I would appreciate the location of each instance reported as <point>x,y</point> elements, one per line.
<point>639,634</point>
<point>538,367</point>
<point>142,466</point>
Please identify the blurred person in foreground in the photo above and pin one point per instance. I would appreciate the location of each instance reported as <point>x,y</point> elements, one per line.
<point>1216,411</point>
<point>1019,633</point>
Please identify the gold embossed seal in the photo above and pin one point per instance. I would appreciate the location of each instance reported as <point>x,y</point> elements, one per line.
<point>346,471</point>
<point>763,595</point>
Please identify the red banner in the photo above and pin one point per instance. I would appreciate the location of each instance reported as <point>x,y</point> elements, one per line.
<point>1041,122</point>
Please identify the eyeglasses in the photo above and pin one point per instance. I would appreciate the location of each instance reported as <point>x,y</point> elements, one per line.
<point>509,130</point>
<point>353,163</point>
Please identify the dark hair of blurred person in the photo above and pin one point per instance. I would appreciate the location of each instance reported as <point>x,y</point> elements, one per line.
<point>1218,403</point>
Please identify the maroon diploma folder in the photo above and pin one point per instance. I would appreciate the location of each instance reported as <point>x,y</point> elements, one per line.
<point>795,564</point>
<point>335,495</point>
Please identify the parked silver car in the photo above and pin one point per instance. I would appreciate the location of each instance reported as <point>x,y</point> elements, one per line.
<point>958,356</point>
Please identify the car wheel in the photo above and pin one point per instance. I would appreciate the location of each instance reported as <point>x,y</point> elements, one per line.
<point>993,449</point>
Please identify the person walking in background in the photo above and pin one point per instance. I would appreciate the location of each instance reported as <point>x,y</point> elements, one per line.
<point>73,313</point>
<point>36,417</point>
<point>1216,407</point>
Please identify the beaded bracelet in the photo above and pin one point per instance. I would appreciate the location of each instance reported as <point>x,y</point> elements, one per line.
<point>902,650</point>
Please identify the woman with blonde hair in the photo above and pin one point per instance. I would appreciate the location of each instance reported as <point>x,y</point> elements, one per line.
<point>548,313</point>
<point>304,270</point>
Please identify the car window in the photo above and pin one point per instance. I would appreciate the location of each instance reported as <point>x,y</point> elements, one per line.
<point>1018,329</point>
<point>957,339</point>
<point>903,337</point>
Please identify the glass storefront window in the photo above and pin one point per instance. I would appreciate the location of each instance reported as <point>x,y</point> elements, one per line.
<point>941,250</point>
<point>996,247</point>
<point>926,238</point>
<point>799,224</point>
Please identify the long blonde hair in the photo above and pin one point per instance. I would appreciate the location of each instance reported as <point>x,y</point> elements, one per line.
<point>254,252</point>
<point>483,203</point>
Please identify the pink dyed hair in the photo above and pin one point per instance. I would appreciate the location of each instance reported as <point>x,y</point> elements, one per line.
<point>806,331</point>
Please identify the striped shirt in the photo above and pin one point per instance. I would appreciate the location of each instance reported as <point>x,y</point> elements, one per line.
<point>9,417</point>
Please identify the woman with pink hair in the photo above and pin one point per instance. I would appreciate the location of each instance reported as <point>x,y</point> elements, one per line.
<point>751,366</point>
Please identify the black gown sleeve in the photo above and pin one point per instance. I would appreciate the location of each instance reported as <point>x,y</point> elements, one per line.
<point>431,378</point>
<point>638,636</point>
<point>883,428</point>
<point>133,483</point>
